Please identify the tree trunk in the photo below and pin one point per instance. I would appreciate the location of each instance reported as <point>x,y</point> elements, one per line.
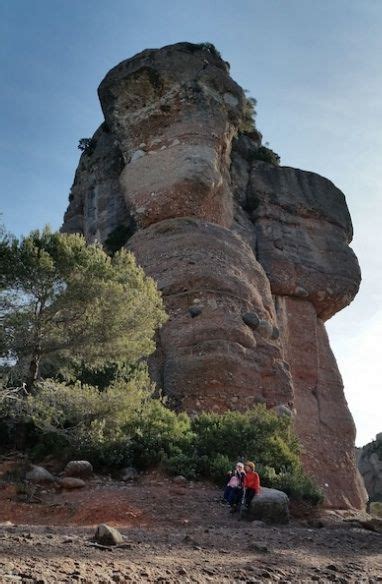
<point>33,372</point>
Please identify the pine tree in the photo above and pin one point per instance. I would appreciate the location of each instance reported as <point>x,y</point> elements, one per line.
<point>63,300</point>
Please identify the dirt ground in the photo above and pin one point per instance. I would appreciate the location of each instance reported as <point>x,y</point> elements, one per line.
<point>173,533</point>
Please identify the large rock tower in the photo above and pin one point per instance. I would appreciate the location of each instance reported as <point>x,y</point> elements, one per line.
<point>251,258</point>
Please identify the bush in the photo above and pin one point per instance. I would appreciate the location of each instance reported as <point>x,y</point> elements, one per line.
<point>247,122</point>
<point>157,433</point>
<point>86,145</point>
<point>180,463</point>
<point>125,424</point>
<point>89,423</point>
<point>298,486</point>
<point>267,155</point>
<point>258,434</point>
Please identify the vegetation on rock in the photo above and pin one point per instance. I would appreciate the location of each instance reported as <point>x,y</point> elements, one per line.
<point>248,118</point>
<point>86,145</point>
<point>267,155</point>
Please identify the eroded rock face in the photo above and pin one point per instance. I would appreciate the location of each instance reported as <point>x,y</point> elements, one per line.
<point>303,229</point>
<point>251,258</point>
<point>211,359</point>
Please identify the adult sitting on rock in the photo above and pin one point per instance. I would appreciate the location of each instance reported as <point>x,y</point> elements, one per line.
<point>234,489</point>
<point>251,485</point>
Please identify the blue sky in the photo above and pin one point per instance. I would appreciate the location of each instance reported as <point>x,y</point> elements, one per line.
<point>314,67</point>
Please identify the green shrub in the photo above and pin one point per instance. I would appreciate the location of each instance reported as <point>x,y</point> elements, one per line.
<point>298,486</point>
<point>180,463</point>
<point>87,422</point>
<point>125,424</point>
<point>156,432</point>
<point>267,155</point>
<point>247,122</point>
<point>86,145</point>
<point>258,434</point>
<point>219,465</point>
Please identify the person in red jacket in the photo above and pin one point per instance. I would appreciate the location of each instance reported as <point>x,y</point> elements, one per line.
<point>251,483</point>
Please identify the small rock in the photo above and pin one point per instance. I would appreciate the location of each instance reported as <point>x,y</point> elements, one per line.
<point>251,319</point>
<point>300,291</point>
<point>180,480</point>
<point>39,474</point>
<point>230,99</point>
<point>283,410</point>
<point>129,474</point>
<point>106,535</point>
<point>71,483</point>
<point>261,549</point>
<point>265,328</point>
<point>78,468</point>
<point>275,333</point>
<point>137,155</point>
<point>195,310</point>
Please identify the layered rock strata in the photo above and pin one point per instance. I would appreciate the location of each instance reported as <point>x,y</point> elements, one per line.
<point>251,258</point>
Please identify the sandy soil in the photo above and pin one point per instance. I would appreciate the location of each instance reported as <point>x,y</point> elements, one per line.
<point>173,533</point>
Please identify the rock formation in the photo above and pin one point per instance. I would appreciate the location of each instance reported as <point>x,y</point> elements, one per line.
<point>369,460</point>
<point>251,258</point>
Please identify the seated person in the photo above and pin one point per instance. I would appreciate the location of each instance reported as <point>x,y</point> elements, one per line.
<point>234,489</point>
<point>251,484</point>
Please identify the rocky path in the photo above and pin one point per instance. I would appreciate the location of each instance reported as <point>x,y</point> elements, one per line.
<point>173,533</point>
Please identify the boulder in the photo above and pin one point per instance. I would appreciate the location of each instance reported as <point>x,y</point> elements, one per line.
<point>369,523</point>
<point>70,483</point>
<point>39,475</point>
<point>180,480</point>
<point>78,468</point>
<point>129,474</point>
<point>270,506</point>
<point>106,535</point>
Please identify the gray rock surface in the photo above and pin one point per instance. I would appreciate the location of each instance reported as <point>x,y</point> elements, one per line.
<point>38,474</point>
<point>71,483</point>
<point>129,474</point>
<point>106,535</point>
<point>270,506</point>
<point>78,468</point>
